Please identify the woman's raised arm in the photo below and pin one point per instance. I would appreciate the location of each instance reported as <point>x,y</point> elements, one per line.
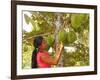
<point>53,61</point>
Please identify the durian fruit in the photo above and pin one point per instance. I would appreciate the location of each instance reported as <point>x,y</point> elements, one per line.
<point>50,40</point>
<point>71,37</point>
<point>62,36</point>
<point>76,20</point>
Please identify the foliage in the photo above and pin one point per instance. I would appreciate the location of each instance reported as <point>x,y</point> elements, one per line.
<point>26,56</point>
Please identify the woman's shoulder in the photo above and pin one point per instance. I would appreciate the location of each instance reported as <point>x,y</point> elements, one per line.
<point>43,53</point>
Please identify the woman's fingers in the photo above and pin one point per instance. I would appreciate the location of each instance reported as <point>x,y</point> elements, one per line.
<point>59,47</point>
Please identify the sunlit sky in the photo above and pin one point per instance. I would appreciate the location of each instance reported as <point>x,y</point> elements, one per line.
<point>27,27</point>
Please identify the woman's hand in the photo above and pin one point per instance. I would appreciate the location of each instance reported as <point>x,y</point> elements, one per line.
<point>59,47</point>
<point>54,61</point>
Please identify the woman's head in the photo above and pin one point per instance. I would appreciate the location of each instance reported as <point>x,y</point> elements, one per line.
<point>39,42</point>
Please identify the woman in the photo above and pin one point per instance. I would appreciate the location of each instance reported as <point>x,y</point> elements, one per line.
<point>41,58</point>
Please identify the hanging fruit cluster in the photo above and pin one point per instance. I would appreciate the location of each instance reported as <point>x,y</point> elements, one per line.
<point>63,36</point>
<point>67,37</point>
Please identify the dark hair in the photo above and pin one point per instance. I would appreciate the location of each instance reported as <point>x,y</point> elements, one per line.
<point>37,42</point>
